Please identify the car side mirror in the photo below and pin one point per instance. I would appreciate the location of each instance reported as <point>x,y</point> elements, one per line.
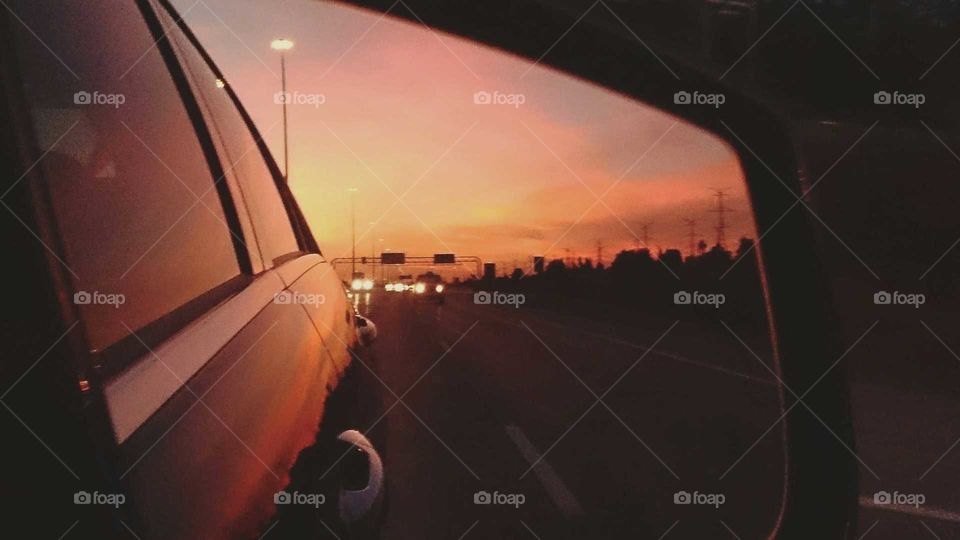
<point>366,331</point>
<point>362,484</point>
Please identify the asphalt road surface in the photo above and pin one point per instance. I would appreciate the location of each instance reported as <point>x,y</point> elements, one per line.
<point>571,429</point>
<point>589,429</point>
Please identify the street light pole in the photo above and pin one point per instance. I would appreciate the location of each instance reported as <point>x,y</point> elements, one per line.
<point>381,255</point>
<point>373,252</point>
<point>353,242</point>
<point>286,146</point>
<point>282,45</point>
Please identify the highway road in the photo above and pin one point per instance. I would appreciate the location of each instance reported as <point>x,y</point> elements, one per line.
<point>575,429</point>
<point>598,425</point>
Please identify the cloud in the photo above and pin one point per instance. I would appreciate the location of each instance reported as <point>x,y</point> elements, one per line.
<point>498,232</point>
<point>398,99</point>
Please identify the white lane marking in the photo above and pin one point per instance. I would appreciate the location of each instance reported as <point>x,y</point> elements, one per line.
<point>556,489</point>
<point>921,511</point>
<point>665,354</point>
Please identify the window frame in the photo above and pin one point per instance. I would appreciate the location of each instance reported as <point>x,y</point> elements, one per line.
<point>806,506</point>
<point>125,352</point>
<point>251,240</point>
<point>301,230</point>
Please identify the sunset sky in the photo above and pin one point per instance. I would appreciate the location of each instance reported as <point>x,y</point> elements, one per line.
<point>398,118</point>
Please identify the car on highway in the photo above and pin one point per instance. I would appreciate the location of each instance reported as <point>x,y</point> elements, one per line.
<point>200,354</point>
<point>430,286</point>
<point>404,283</point>
<point>361,283</point>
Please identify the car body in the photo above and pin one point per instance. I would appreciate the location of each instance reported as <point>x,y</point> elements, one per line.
<point>190,392</point>
<point>406,281</point>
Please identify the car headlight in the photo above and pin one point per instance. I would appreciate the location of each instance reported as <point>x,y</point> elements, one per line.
<point>439,288</point>
<point>367,284</point>
<point>388,286</point>
<point>356,284</point>
<point>419,288</point>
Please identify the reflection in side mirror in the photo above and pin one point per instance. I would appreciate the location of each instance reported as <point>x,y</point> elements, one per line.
<point>366,331</point>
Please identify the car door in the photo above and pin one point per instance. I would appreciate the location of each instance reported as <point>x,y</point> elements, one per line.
<point>212,382</point>
<point>330,312</point>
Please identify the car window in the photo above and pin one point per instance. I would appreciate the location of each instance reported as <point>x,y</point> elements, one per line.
<point>243,160</point>
<point>143,228</point>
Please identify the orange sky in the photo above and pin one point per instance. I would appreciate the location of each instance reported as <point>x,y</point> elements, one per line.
<point>503,182</point>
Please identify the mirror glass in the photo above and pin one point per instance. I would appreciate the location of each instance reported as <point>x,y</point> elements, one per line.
<point>572,333</point>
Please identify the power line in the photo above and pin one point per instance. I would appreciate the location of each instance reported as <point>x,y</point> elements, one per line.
<point>721,211</point>
<point>645,234</point>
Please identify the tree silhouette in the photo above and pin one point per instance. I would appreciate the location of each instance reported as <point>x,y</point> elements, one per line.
<point>638,282</point>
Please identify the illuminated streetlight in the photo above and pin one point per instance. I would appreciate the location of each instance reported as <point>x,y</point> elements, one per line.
<point>282,45</point>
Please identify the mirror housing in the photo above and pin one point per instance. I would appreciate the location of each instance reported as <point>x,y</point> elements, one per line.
<point>366,331</point>
<point>362,490</point>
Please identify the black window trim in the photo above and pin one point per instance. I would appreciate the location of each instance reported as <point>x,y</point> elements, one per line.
<point>301,230</point>
<point>195,115</point>
<point>123,353</point>
<point>222,151</point>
